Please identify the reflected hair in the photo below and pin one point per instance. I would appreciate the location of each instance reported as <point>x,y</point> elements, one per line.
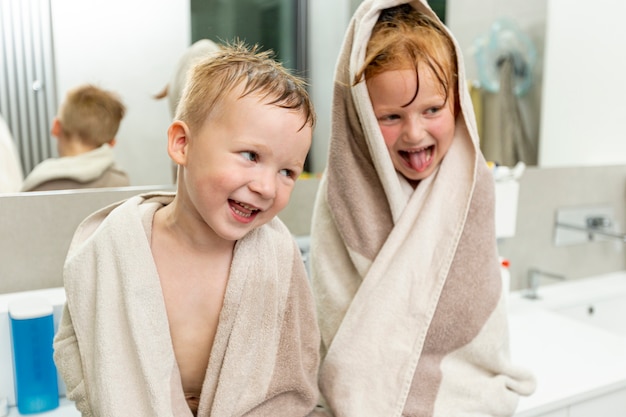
<point>237,64</point>
<point>92,114</point>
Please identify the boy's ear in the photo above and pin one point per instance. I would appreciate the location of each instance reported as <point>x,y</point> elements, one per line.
<point>56,128</point>
<point>178,141</point>
<point>112,142</point>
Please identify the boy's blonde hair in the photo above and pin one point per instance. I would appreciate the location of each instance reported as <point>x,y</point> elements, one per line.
<point>92,114</point>
<point>404,38</point>
<point>237,64</point>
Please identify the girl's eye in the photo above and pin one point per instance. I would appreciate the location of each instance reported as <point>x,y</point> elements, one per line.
<point>250,156</point>
<point>287,173</point>
<point>388,118</point>
<point>433,110</point>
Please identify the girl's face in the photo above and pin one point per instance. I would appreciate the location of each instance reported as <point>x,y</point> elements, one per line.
<point>241,166</point>
<point>417,133</point>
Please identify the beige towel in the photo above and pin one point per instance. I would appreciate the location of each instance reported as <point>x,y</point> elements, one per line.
<point>412,313</point>
<point>113,346</point>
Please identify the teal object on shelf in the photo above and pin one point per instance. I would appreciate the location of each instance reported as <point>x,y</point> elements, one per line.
<point>32,333</point>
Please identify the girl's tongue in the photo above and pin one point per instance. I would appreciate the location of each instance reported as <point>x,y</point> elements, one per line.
<point>419,160</point>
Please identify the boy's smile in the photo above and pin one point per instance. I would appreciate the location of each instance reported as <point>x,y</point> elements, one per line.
<point>241,165</point>
<point>245,212</point>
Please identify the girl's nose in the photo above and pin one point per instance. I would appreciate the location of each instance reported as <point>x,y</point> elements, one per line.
<point>414,129</point>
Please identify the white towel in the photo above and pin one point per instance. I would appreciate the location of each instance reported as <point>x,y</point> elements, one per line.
<point>113,347</point>
<point>407,283</point>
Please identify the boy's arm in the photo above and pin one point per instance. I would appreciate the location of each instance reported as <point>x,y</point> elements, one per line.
<point>69,364</point>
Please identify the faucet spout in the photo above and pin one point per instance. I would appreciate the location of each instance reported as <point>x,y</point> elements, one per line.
<point>533,277</point>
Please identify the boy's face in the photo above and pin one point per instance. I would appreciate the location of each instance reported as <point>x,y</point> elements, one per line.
<point>241,166</point>
<point>417,133</point>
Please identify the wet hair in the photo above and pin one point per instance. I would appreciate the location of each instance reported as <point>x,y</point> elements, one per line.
<point>92,114</point>
<point>404,38</point>
<point>234,65</point>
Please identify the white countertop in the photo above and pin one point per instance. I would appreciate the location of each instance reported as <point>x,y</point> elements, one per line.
<point>571,360</point>
<point>66,409</point>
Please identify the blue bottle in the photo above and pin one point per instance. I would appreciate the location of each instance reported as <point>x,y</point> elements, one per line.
<point>32,333</point>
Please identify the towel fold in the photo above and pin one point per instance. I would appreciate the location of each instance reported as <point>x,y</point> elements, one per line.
<point>407,283</point>
<point>114,349</point>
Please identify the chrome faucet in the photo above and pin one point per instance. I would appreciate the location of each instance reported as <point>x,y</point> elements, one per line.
<point>534,275</point>
<point>595,225</point>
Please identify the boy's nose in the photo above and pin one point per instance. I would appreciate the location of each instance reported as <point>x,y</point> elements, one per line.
<point>264,184</point>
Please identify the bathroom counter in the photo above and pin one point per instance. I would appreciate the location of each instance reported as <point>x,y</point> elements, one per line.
<point>573,362</point>
<point>66,409</point>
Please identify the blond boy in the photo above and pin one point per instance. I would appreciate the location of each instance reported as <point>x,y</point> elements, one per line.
<point>197,303</point>
<point>85,128</point>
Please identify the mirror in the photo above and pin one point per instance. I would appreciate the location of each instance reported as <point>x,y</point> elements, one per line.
<point>102,43</point>
<point>107,46</point>
<point>574,107</point>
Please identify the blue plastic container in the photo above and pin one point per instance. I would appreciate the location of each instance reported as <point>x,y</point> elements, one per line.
<point>32,333</point>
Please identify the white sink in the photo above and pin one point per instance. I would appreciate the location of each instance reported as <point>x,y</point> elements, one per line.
<point>66,409</point>
<point>575,355</point>
<point>598,301</point>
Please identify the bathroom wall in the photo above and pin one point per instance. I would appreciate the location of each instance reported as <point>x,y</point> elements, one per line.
<point>36,229</point>
<point>542,192</point>
<point>33,244</point>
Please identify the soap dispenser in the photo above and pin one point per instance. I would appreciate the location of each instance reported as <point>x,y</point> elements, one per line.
<point>32,334</point>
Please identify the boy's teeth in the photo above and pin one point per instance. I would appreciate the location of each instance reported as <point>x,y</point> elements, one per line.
<point>244,205</point>
<point>242,214</point>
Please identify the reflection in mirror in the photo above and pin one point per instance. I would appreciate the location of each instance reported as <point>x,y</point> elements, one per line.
<point>135,64</point>
<point>85,130</point>
<point>558,110</point>
<point>503,53</point>
<point>102,47</point>
<point>138,63</point>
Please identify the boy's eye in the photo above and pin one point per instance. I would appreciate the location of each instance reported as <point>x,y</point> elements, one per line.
<point>287,173</point>
<point>250,156</point>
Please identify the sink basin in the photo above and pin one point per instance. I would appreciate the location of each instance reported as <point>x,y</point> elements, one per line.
<point>574,341</point>
<point>599,300</point>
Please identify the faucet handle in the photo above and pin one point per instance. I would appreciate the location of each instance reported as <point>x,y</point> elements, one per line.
<point>598,222</point>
